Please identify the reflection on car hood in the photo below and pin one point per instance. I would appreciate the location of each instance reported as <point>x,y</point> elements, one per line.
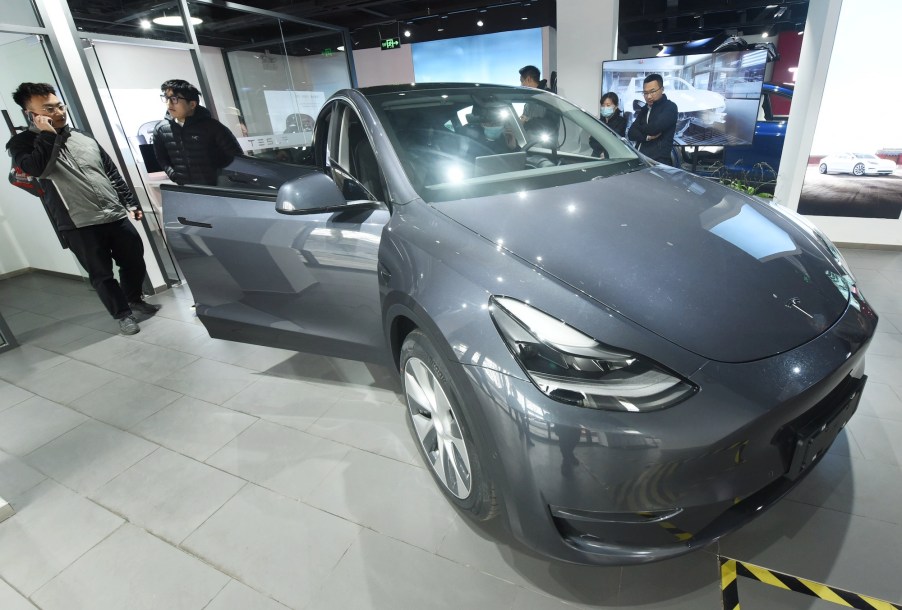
<point>709,269</point>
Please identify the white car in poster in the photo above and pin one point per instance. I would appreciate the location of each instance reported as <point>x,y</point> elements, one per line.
<point>695,106</point>
<point>856,163</point>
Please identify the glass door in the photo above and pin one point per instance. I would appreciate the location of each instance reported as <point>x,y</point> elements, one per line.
<point>130,99</point>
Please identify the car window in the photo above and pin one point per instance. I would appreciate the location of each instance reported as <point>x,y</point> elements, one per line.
<point>353,164</point>
<point>460,143</point>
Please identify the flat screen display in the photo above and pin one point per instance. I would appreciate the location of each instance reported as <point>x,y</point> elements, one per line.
<point>717,94</point>
<point>484,58</point>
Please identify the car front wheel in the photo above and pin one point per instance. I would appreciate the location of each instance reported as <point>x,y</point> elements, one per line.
<point>858,170</point>
<point>823,168</point>
<point>436,421</point>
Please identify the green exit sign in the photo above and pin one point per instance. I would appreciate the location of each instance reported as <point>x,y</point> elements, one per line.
<point>327,52</point>
<point>390,43</point>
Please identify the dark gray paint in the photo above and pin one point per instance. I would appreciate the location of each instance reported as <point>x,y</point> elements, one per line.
<point>655,262</point>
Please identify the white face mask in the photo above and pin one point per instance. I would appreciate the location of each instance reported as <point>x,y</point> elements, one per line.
<point>607,111</point>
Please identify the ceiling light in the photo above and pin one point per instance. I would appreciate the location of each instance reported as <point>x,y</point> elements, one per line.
<point>176,20</point>
<point>145,24</point>
<point>780,12</point>
<point>407,33</point>
<point>523,18</point>
<point>765,35</point>
<point>441,29</point>
<point>479,23</point>
<point>341,48</point>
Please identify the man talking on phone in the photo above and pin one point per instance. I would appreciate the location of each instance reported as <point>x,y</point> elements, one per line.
<point>87,199</point>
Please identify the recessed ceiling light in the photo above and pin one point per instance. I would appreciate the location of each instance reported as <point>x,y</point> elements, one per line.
<point>765,35</point>
<point>407,33</point>
<point>441,29</point>
<point>341,48</point>
<point>479,23</point>
<point>176,20</point>
<point>145,24</point>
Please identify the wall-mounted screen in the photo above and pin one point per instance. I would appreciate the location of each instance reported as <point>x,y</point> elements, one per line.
<point>717,94</point>
<point>486,58</point>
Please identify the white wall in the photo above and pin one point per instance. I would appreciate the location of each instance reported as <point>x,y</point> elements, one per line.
<point>587,35</point>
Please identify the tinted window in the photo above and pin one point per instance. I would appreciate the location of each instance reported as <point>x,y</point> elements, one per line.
<point>460,143</point>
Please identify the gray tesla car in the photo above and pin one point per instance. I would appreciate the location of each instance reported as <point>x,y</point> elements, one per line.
<point>626,360</point>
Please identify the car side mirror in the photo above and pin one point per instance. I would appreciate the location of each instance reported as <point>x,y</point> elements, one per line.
<point>309,193</point>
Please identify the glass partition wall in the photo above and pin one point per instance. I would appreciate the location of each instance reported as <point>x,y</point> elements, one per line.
<point>262,74</point>
<point>280,72</point>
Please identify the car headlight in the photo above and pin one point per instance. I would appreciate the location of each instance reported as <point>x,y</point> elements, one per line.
<point>571,367</point>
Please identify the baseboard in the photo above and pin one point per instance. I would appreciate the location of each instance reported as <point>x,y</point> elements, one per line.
<point>891,248</point>
<point>67,276</point>
<point>6,511</point>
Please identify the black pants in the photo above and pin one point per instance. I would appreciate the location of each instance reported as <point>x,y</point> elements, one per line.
<point>96,247</point>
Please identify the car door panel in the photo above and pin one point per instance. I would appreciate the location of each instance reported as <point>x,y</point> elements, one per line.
<point>306,282</point>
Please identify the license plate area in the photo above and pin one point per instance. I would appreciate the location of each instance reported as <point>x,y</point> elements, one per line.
<point>811,436</point>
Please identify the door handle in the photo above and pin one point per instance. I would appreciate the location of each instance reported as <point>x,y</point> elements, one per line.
<point>193,223</point>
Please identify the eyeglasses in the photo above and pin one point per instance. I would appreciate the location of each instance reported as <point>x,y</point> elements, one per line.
<point>650,92</point>
<point>50,109</point>
<point>171,98</point>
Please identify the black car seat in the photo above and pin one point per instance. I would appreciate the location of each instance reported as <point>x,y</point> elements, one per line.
<point>364,166</point>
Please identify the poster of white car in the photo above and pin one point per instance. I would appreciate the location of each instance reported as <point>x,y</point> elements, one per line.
<point>859,164</point>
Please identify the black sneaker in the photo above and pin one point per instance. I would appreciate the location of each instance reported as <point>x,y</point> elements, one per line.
<point>144,307</point>
<point>128,325</point>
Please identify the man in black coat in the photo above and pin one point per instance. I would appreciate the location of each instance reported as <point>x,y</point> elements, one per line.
<point>655,123</point>
<point>191,146</point>
<point>87,200</point>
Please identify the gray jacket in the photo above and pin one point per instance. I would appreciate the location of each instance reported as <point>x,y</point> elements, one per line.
<point>83,187</point>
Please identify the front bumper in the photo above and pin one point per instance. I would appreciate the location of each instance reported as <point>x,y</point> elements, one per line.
<point>602,487</point>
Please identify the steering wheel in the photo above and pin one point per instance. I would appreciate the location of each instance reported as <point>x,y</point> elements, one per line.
<point>553,148</point>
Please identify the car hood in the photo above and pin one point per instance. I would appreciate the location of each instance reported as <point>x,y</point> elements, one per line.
<point>718,273</point>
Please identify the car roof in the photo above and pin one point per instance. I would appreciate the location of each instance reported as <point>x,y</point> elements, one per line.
<point>378,90</point>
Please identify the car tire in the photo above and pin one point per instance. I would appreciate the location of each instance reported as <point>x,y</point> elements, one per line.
<point>858,170</point>
<point>823,168</point>
<point>437,423</point>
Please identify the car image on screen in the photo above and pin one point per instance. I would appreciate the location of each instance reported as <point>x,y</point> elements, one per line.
<point>623,360</point>
<point>859,164</point>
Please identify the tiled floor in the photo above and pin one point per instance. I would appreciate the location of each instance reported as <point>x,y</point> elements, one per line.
<point>170,470</point>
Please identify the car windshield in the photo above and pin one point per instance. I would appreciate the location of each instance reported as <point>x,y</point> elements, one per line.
<point>865,156</point>
<point>458,143</point>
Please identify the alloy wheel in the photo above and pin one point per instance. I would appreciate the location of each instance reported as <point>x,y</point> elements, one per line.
<point>437,429</point>
<point>858,170</point>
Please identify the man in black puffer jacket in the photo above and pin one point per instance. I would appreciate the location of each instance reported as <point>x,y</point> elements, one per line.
<point>190,144</point>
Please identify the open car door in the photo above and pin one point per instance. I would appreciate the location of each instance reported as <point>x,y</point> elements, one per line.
<point>296,273</point>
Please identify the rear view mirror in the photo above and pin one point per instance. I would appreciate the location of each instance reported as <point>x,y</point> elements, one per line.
<point>309,193</point>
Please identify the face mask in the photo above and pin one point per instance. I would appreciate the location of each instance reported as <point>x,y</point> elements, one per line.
<point>607,111</point>
<point>492,133</point>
